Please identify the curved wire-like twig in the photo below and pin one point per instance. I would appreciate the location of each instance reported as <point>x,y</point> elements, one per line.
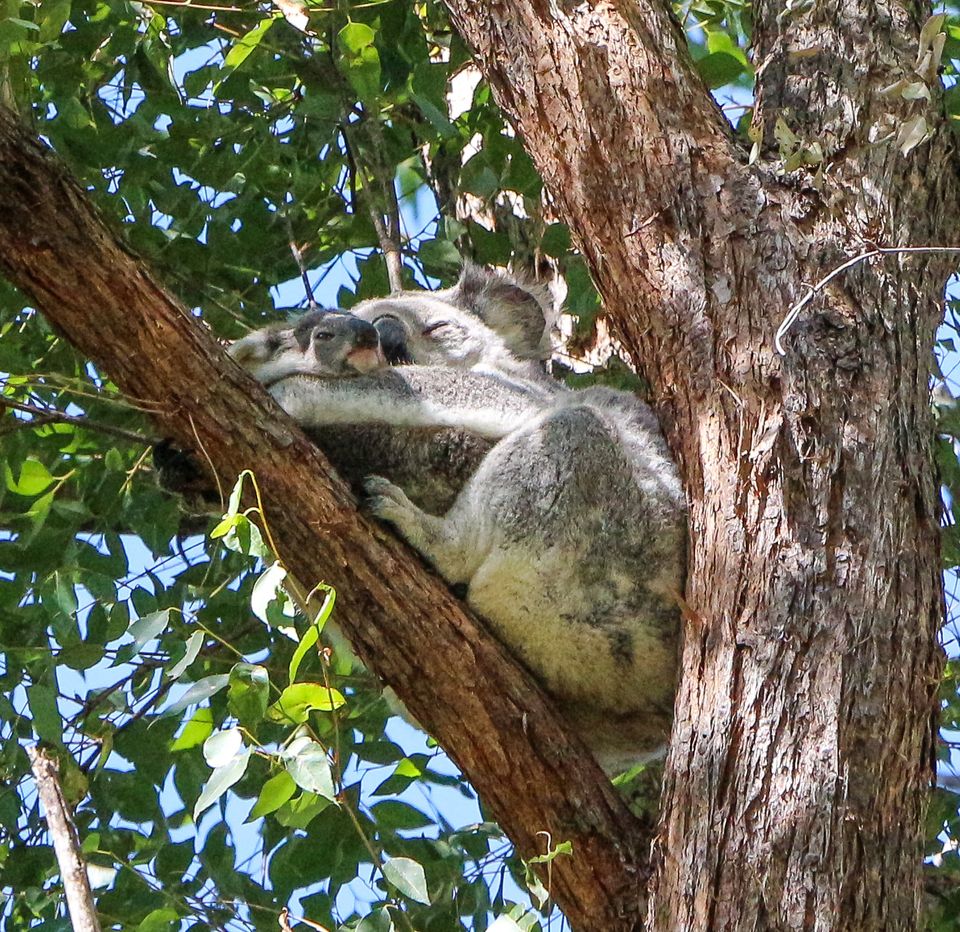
<point>797,308</point>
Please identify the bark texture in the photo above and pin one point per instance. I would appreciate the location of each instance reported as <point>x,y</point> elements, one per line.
<point>803,742</point>
<point>452,675</point>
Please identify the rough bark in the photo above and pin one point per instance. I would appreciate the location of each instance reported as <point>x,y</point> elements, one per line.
<point>452,675</point>
<point>803,742</point>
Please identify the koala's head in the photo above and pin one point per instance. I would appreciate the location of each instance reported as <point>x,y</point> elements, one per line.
<point>486,319</point>
<point>322,343</point>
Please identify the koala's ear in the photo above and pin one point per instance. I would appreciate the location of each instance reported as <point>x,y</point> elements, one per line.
<point>521,314</point>
<point>255,348</point>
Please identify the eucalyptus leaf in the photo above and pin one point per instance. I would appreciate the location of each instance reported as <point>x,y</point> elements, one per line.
<point>408,877</point>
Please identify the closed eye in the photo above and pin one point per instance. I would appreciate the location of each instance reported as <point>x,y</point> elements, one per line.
<point>431,328</point>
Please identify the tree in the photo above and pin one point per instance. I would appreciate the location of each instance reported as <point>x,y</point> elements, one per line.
<point>796,783</point>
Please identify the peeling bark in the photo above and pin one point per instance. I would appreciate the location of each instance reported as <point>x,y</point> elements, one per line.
<point>803,743</point>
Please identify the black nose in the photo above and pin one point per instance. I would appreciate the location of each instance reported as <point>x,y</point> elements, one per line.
<point>393,341</point>
<point>364,334</point>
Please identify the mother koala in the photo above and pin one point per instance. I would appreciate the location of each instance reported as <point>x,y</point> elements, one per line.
<point>564,521</point>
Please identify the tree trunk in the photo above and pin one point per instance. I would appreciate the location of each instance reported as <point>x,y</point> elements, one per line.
<point>451,674</point>
<point>803,744</point>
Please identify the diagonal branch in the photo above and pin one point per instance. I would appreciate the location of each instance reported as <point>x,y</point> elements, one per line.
<point>403,622</point>
<point>630,145</point>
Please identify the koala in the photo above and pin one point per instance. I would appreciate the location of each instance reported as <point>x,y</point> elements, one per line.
<point>435,436</point>
<point>568,534</point>
<point>321,343</point>
<point>486,321</point>
<point>431,461</point>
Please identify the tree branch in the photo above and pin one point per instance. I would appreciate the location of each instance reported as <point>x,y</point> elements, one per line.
<point>795,787</point>
<point>73,871</point>
<point>52,416</point>
<point>530,771</point>
<point>377,193</point>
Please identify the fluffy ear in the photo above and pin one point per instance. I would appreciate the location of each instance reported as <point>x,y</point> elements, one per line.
<point>255,347</point>
<point>521,314</point>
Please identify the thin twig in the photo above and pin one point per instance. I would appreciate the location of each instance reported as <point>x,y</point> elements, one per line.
<point>48,415</point>
<point>66,845</point>
<point>794,311</point>
<point>298,257</point>
<point>187,5</point>
<point>386,222</point>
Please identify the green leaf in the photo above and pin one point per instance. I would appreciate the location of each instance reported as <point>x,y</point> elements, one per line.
<point>146,629</point>
<point>241,535</point>
<point>377,921</point>
<point>221,780</point>
<point>300,812</point>
<point>308,764</point>
<point>274,793</point>
<point>196,731</point>
<point>160,920</point>
<point>720,68</point>
<point>202,689</point>
<point>266,589</point>
<point>723,42</point>
<point>34,478</point>
<point>249,693</point>
<point>556,240</point>
<point>407,876</point>
<point>359,59</point>
<point>312,634</point>
<point>299,699</point>
<point>241,50</point>
<point>47,723</point>
<point>399,816</point>
<point>355,37</point>
<point>55,14</point>
<point>563,847</point>
<point>191,650</point>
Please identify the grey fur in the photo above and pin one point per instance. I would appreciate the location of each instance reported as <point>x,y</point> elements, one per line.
<point>324,342</point>
<point>568,535</point>
<point>486,321</point>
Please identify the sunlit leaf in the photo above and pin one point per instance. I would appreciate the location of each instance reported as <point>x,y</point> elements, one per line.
<point>275,792</point>
<point>307,762</point>
<point>312,634</point>
<point>221,780</point>
<point>222,747</point>
<point>197,692</point>
<point>192,649</point>
<point>408,877</point>
<point>147,628</point>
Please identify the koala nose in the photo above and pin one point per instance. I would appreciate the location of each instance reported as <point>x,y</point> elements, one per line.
<point>363,334</point>
<point>393,341</point>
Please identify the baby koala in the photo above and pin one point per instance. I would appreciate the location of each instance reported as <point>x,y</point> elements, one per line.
<point>568,534</point>
<point>321,343</point>
<point>419,426</point>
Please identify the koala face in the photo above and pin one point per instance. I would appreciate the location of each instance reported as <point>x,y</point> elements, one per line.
<point>322,343</point>
<point>487,321</point>
<point>430,332</point>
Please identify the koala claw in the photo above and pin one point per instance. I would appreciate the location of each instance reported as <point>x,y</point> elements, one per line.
<point>385,500</point>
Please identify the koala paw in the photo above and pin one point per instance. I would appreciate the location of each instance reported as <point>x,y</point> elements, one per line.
<point>387,501</point>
